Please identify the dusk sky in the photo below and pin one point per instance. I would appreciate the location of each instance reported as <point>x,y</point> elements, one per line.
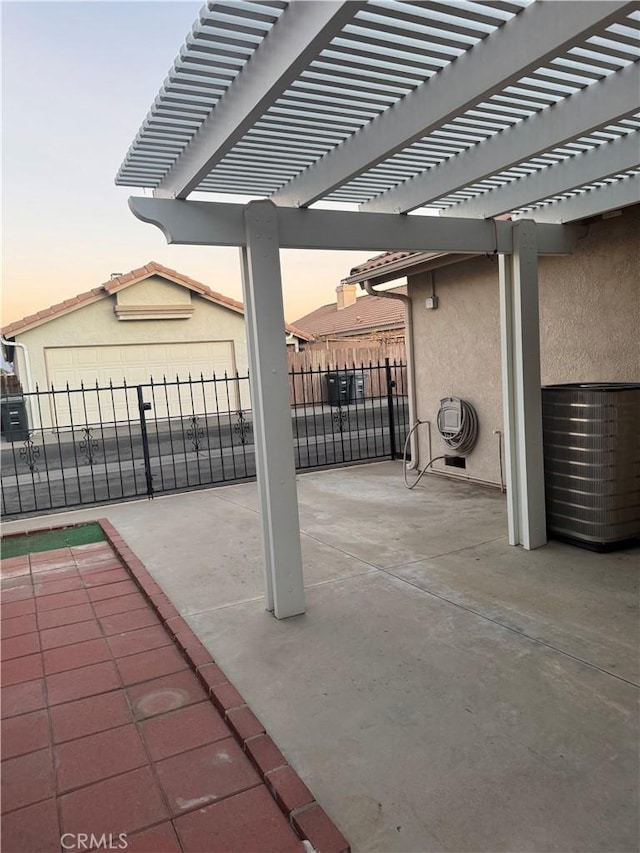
<point>78,80</point>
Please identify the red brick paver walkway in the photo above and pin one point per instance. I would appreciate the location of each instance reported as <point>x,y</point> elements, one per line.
<point>116,720</point>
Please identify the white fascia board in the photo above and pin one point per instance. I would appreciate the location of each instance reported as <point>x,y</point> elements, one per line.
<point>201,223</point>
<point>539,32</point>
<point>296,38</point>
<point>614,196</point>
<point>600,104</point>
<point>601,162</point>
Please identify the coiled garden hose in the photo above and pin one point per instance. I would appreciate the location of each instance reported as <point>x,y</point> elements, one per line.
<point>462,439</point>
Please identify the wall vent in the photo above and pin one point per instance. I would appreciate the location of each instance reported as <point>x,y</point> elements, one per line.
<point>455,461</point>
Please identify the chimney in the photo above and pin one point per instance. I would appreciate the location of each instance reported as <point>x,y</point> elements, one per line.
<point>346,295</point>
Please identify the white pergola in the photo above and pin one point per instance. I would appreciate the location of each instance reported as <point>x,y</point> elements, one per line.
<point>425,120</point>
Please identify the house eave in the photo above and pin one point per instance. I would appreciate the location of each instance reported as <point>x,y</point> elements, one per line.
<point>413,265</point>
<point>365,330</point>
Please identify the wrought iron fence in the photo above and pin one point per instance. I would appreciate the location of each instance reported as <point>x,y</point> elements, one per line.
<point>74,447</point>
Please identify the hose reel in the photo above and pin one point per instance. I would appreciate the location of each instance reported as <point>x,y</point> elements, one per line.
<point>457,423</point>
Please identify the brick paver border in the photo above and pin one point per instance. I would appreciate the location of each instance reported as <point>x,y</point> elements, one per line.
<point>307,818</point>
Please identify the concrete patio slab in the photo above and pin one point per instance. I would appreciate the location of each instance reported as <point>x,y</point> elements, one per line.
<point>444,691</point>
<point>424,727</point>
<point>168,535</point>
<point>578,601</point>
<point>344,510</point>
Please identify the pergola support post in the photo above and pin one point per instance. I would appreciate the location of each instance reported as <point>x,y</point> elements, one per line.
<point>264,313</point>
<point>521,384</point>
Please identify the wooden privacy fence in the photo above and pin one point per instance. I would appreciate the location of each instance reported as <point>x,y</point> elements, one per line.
<point>329,355</point>
<point>308,369</point>
<point>311,385</point>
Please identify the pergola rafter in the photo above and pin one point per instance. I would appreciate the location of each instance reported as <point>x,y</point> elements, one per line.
<point>541,31</point>
<point>600,104</point>
<point>587,201</point>
<point>608,159</point>
<point>301,33</point>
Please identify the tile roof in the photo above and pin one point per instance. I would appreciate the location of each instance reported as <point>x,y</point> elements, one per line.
<point>381,260</point>
<point>367,314</point>
<point>119,282</point>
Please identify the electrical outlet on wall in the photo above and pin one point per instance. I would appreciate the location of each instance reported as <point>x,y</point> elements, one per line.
<point>432,302</point>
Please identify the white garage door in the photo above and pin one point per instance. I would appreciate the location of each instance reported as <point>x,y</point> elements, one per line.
<point>111,367</point>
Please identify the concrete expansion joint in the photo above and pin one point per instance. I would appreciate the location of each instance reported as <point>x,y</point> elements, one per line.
<point>340,551</point>
<point>523,634</point>
<point>389,569</point>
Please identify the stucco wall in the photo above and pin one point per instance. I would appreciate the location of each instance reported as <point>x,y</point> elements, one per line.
<point>457,353</point>
<point>154,291</point>
<point>589,318</point>
<point>97,324</point>
<point>590,306</point>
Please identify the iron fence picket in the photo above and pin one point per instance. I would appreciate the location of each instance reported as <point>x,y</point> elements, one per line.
<point>219,426</point>
<point>54,410</point>
<point>206,425</point>
<point>115,431</point>
<point>44,446</point>
<point>125,388</point>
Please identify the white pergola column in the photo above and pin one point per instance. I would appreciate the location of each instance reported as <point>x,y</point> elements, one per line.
<point>521,384</point>
<point>261,281</point>
<point>258,422</point>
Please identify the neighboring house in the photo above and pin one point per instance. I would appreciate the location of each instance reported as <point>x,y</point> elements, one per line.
<point>151,322</point>
<point>589,327</point>
<point>363,317</point>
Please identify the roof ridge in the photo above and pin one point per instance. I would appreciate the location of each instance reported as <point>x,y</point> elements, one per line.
<point>116,283</point>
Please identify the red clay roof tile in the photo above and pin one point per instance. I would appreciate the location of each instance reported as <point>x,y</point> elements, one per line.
<point>367,314</point>
<point>381,260</point>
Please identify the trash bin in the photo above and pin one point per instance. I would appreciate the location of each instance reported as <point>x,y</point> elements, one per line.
<point>13,418</point>
<point>339,383</point>
<point>358,386</point>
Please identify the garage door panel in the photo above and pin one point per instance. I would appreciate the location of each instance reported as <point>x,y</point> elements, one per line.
<point>115,369</point>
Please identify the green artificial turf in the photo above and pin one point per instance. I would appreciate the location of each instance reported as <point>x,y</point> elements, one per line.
<point>49,540</point>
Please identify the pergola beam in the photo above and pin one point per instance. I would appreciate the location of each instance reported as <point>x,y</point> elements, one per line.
<point>580,170</point>
<point>201,223</point>
<point>613,196</point>
<point>538,33</point>
<point>600,104</point>
<point>295,40</point>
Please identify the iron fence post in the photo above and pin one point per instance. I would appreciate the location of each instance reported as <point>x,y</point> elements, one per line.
<point>142,408</point>
<point>391,384</point>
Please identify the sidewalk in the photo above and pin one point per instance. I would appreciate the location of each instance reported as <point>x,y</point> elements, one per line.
<point>117,722</point>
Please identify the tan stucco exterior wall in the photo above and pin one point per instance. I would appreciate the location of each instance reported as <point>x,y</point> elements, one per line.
<point>590,306</point>
<point>154,291</point>
<point>590,328</point>
<point>97,324</point>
